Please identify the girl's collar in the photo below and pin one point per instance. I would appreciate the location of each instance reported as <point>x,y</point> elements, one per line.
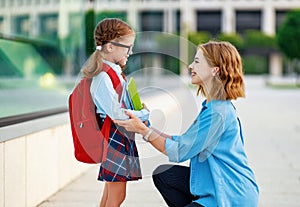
<point>114,66</point>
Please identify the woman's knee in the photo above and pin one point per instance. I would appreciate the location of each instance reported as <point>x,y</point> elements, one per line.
<point>162,169</point>
<point>160,173</point>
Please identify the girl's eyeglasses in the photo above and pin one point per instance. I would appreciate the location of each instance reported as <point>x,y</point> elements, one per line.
<point>129,47</point>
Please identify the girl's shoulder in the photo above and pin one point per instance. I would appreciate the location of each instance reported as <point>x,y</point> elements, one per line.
<point>101,80</point>
<point>102,76</point>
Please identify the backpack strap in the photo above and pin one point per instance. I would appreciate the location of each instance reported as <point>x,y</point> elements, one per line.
<point>105,130</point>
<point>114,78</point>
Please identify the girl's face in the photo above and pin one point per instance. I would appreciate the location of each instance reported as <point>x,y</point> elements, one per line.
<point>201,72</point>
<point>119,50</point>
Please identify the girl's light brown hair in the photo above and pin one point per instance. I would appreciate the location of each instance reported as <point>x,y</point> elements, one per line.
<point>229,83</point>
<point>106,30</point>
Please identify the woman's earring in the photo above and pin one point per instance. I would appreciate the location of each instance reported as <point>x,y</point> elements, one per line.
<point>213,73</point>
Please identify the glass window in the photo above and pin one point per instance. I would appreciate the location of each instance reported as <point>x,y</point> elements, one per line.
<point>248,20</point>
<point>28,2</point>
<point>49,25</point>
<point>22,25</point>
<point>19,2</point>
<point>1,24</point>
<point>209,21</point>
<point>39,63</point>
<point>10,3</point>
<point>2,3</point>
<point>178,20</point>
<point>151,21</point>
<point>29,81</point>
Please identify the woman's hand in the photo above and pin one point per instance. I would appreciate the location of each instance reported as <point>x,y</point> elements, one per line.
<point>133,124</point>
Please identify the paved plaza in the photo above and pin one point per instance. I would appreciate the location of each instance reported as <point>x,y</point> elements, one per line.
<point>271,124</point>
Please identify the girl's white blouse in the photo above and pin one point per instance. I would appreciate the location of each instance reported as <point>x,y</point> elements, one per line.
<point>106,98</point>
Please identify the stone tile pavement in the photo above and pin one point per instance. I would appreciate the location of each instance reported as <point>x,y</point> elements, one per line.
<point>271,123</point>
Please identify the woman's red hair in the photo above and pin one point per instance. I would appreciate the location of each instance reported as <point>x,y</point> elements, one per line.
<point>226,57</point>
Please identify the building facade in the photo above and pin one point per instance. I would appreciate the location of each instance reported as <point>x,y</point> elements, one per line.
<point>229,16</point>
<point>50,18</point>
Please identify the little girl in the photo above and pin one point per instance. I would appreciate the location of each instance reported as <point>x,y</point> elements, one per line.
<point>114,42</point>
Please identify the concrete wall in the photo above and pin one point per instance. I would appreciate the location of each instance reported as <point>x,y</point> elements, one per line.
<point>36,165</point>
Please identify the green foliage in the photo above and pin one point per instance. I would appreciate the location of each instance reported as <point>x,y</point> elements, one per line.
<point>111,14</point>
<point>233,38</point>
<point>89,32</point>
<point>196,38</point>
<point>52,55</point>
<point>167,44</point>
<point>171,64</point>
<point>48,49</point>
<point>258,39</point>
<point>254,64</point>
<point>288,35</point>
<point>199,37</point>
<point>76,30</point>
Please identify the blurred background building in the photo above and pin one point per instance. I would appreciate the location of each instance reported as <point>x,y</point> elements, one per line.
<point>65,22</point>
<point>49,40</point>
<point>44,43</point>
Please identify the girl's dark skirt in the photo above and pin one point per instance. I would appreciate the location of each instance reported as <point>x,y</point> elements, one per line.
<point>122,160</point>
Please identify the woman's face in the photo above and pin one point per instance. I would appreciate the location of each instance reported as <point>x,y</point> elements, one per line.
<point>120,49</point>
<point>201,72</point>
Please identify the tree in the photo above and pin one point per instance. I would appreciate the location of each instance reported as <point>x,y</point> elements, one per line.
<point>89,29</point>
<point>233,38</point>
<point>288,35</point>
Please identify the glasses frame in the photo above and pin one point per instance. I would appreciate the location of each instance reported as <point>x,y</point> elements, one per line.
<point>129,47</point>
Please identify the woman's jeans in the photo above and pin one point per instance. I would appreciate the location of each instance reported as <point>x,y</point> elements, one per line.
<point>173,183</point>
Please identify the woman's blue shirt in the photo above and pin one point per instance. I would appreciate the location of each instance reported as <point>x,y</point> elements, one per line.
<point>214,144</point>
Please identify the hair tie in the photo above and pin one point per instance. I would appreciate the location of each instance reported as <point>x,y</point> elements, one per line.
<point>99,47</point>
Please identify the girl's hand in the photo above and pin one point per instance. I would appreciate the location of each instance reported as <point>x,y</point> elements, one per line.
<point>147,123</point>
<point>133,124</point>
<point>145,107</point>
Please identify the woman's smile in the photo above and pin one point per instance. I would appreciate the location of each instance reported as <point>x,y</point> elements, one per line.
<point>193,73</point>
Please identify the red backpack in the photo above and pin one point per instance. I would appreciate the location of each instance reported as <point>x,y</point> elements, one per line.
<point>90,143</point>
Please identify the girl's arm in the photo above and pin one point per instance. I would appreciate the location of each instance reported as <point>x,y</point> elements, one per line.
<point>106,98</point>
<point>154,136</point>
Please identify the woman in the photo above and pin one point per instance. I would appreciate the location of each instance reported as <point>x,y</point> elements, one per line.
<point>219,173</point>
<point>114,42</point>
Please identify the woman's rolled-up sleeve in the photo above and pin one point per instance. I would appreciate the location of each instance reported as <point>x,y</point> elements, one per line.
<point>200,139</point>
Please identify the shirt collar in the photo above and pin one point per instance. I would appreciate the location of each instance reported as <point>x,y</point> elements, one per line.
<point>213,103</point>
<point>204,104</point>
<point>114,66</point>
